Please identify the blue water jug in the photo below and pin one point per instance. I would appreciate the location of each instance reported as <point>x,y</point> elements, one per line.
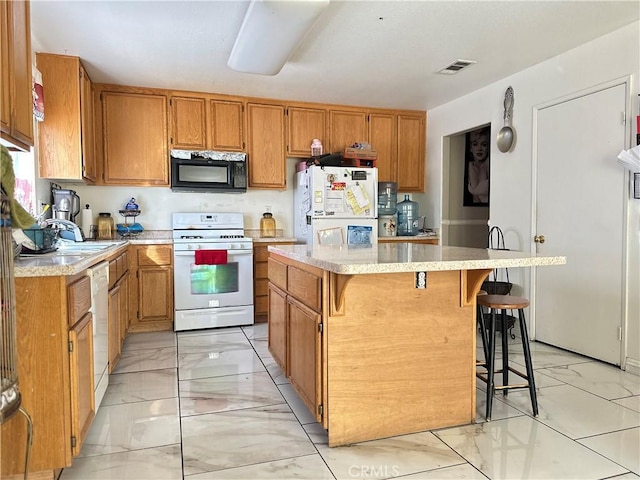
<point>407,216</point>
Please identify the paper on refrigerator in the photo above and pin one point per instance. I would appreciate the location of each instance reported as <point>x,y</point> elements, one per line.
<point>630,159</point>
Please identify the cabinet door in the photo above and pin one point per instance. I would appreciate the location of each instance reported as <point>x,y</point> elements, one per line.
<point>5,104</point>
<point>266,146</point>
<point>411,153</point>
<point>89,167</point>
<point>303,125</point>
<point>82,388</point>
<point>278,326</point>
<point>155,295</point>
<point>17,84</point>
<point>115,304</point>
<point>382,136</point>
<point>304,361</point>
<point>135,139</point>
<point>346,128</point>
<point>123,310</point>
<point>189,123</point>
<point>227,119</point>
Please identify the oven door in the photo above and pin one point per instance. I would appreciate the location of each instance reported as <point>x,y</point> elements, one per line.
<point>213,286</point>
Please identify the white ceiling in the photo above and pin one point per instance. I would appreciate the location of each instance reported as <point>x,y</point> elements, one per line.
<point>376,53</point>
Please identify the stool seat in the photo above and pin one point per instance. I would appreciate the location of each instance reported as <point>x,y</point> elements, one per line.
<point>482,292</point>
<point>503,301</point>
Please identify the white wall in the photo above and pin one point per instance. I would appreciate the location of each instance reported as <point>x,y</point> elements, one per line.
<point>157,203</point>
<point>612,56</point>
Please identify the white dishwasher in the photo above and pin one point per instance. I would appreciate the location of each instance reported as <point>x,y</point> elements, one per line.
<point>99,275</point>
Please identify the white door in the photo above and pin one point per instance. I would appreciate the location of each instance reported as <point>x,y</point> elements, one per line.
<point>580,197</point>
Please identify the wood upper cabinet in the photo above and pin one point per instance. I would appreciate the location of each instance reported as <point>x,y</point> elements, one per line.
<point>206,123</point>
<point>189,123</point>
<point>226,125</point>
<point>383,139</point>
<point>16,125</point>
<point>411,152</point>
<point>266,146</point>
<point>345,128</point>
<point>151,288</point>
<point>66,136</point>
<point>134,137</point>
<point>303,125</point>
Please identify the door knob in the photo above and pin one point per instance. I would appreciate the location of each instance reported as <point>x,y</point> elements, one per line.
<point>539,239</point>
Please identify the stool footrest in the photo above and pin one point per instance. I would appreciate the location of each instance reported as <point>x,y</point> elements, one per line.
<point>484,375</point>
<point>512,386</point>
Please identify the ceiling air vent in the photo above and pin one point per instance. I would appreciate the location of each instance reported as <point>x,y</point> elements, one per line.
<point>456,66</point>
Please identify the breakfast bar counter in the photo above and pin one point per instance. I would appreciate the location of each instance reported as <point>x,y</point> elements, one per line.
<point>380,341</point>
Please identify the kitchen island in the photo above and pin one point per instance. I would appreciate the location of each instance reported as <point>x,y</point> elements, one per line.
<point>381,341</point>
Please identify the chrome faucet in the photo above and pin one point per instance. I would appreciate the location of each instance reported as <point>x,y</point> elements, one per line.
<point>67,225</point>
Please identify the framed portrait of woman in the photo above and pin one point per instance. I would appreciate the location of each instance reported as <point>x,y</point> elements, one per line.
<point>476,168</point>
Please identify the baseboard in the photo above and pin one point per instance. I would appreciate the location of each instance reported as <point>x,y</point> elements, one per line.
<point>632,365</point>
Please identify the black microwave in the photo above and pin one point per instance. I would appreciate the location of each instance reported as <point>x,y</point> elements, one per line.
<point>208,171</point>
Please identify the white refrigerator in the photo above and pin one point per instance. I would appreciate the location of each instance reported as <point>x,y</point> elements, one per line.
<point>336,206</point>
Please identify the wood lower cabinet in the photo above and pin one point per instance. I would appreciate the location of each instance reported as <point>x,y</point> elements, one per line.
<point>134,137</point>
<point>83,406</point>
<point>66,136</point>
<point>151,288</point>
<point>304,343</point>
<point>296,296</point>
<point>55,362</point>
<point>261,279</point>
<point>118,305</point>
<point>16,125</point>
<point>278,326</point>
<point>115,346</point>
<point>266,146</point>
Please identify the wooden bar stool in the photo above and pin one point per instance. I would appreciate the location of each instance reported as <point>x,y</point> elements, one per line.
<point>504,303</point>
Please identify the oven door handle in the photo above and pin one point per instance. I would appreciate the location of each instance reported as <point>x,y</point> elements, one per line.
<point>187,253</point>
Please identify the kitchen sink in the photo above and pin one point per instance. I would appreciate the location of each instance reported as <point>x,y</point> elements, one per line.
<point>76,248</point>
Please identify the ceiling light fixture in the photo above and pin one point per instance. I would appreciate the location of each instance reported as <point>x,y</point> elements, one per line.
<point>270,32</point>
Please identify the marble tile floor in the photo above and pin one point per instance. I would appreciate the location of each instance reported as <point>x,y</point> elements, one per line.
<point>214,405</point>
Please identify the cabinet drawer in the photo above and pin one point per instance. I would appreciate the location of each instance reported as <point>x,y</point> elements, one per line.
<point>154,255</point>
<point>113,272</point>
<point>305,286</point>
<point>278,273</point>
<point>260,253</point>
<point>121,265</point>
<point>79,298</point>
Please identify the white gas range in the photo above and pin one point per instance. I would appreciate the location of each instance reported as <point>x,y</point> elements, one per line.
<point>213,271</point>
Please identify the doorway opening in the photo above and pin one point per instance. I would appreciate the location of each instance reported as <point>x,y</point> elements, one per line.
<point>466,193</point>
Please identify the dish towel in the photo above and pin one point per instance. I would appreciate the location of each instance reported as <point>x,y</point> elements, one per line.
<point>20,218</point>
<point>211,257</point>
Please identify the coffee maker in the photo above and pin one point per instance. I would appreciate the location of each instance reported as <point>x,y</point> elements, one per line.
<point>66,204</point>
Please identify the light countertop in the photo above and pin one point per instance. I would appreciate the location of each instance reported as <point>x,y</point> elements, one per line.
<point>409,257</point>
<point>59,264</point>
